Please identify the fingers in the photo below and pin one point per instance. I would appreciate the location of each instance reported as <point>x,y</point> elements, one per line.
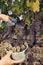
<point>16,62</point>
<point>12,24</point>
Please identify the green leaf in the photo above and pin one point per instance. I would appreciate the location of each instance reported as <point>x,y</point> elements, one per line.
<point>3,27</point>
<point>27,20</point>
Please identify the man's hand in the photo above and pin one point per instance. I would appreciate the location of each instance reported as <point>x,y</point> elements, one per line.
<point>6,18</point>
<point>6,60</point>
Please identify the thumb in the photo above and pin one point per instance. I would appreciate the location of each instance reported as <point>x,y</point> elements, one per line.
<point>9,53</point>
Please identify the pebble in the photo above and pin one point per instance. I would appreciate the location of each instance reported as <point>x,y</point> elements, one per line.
<point>14,49</point>
<point>22,47</point>
<point>18,48</point>
<point>36,63</point>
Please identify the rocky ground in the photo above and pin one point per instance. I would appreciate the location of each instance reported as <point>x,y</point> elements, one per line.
<point>15,42</point>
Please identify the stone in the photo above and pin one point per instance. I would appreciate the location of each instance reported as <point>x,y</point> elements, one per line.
<point>22,47</point>
<point>18,48</point>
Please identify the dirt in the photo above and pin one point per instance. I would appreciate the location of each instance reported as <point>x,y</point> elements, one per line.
<point>34,54</point>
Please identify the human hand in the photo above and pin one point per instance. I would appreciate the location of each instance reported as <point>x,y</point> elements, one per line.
<point>6,60</point>
<point>6,18</point>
